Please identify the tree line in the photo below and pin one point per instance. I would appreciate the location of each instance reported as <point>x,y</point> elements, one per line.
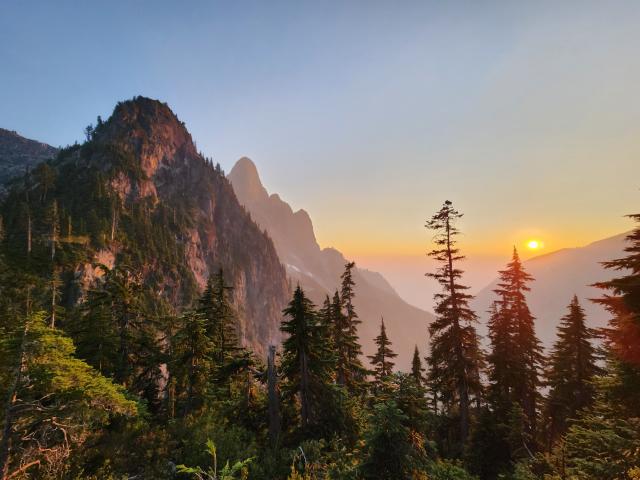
<point>124,384</point>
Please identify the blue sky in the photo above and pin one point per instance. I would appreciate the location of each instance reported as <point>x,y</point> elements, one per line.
<point>367,114</point>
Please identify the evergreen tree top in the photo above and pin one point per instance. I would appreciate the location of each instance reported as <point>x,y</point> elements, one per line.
<point>513,279</point>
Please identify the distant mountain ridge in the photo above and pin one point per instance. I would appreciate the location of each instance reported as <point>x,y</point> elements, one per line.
<point>19,154</point>
<point>318,270</point>
<point>558,276</point>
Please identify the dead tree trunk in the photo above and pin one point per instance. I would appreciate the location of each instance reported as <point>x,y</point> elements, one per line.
<point>274,401</point>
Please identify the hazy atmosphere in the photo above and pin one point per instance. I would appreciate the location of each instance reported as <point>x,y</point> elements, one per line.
<point>366,114</point>
<point>296,240</point>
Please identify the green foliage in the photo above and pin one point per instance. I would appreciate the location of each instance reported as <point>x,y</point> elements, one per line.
<point>489,453</point>
<point>228,472</point>
<point>602,444</point>
<point>157,372</point>
<point>318,459</point>
<point>306,364</point>
<point>220,319</point>
<point>447,470</point>
<point>390,451</point>
<point>192,362</point>
<point>56,399</point>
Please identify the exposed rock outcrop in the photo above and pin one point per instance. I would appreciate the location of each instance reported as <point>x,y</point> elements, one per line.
<point>139,194</point>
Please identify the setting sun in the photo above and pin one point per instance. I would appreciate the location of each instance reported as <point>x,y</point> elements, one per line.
<point>534,244</point>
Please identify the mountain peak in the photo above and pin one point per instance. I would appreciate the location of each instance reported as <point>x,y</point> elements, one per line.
<point>246,164</point>
<point>143,109</point>
<point>143,119</point>
<point>246,181</point>
<point>151,130</point>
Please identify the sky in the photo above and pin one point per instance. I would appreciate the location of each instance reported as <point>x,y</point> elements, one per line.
<point>366,114</point>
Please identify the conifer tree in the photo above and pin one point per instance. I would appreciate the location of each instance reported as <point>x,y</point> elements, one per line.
<point>192,360</point>
<point>354,370</point>
<point>327,317</point>
<point>382,360</point>
<point>623,334</point>
<point>573,367</point>
<point>304,365</point>
<point>95,333</point>
<point>516,357</point>
<point>55,401</point>
<point>207,307</point>
<point>215,307</point>
<point>500,359</point>
<point>123,293</point>
<point>454,361</point>
<point>226,337</point>
<point>340,340</point>
<point>417,370</point>
<point>325,313</point>
<point>410,398</point>
<point>389,450</point>
<point>116,305</point>
<point>604,441</point>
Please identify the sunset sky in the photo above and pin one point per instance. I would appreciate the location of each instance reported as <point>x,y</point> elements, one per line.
<point>525,114</point>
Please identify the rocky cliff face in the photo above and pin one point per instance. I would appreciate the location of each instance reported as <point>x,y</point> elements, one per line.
<point>19,154</point>
<point>138,193</point>
<point>318,270</point>
<point>220,232</point>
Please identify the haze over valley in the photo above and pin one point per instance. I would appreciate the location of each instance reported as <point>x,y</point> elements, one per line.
<point>289,240</point>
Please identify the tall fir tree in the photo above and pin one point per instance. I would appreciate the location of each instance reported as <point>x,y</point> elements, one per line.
<point>355,372</point>
<point>516,358</point>
<point>327,318</point>
<point>382,360</point>
<point>220,319</point>
<point>207,307</point>
<point>228,341</point>
<point>340,340</point>
<point>501,376</point>
<point>95,332</point>
<point>192,351</point>
<point>417,370</point>
<point>572,370</point>
<point>304,360</point>
<point>454,360</point>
